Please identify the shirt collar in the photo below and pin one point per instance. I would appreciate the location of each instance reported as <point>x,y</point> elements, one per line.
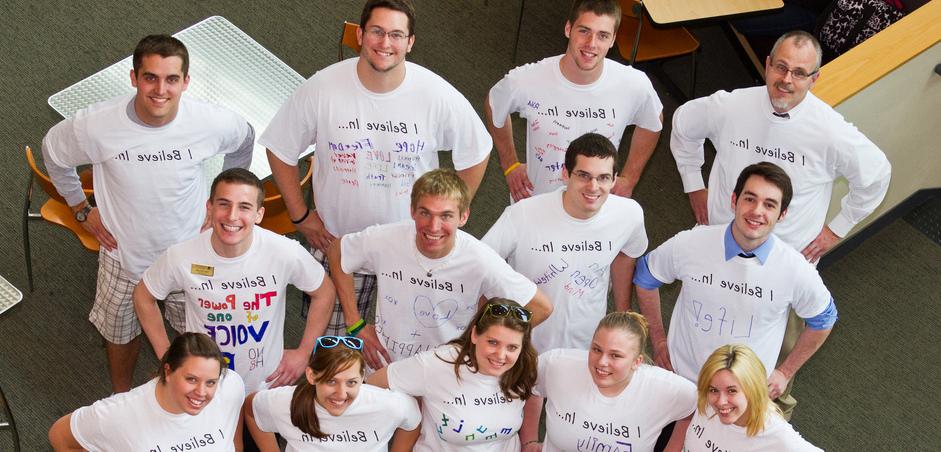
<point>732,249</point>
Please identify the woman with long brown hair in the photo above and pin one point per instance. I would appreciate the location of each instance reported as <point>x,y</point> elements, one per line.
<point>331,409</point>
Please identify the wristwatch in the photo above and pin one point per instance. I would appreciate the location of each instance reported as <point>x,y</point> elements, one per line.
<point>82,215</point>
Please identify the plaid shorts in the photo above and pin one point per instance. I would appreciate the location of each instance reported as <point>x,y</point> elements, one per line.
<point>113,312</point>
<point>365,288</point>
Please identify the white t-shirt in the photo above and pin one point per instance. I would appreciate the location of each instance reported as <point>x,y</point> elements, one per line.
<point>739,300</point>
<point>468,414</point>
<point>559,111</point>
<point>149,182</point>
<point>371,147</point>
<point>366,425</point>
<point>415,312</point>
<point>132,421</point>
<point>707,434</point>
<point>239,302</point>
<point>814,146</point>
<point>579,417</point>
<point>568,259</point>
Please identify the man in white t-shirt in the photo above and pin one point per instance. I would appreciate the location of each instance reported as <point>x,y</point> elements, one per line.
<point>431,275</point>
<point>739,282</point>
<point>377,123</point>
<point>566,96</point>
<point>571,240</point>
<point>147,153</point>
<point>234,277</point>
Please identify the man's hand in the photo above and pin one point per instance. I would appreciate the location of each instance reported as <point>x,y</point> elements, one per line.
<point>95,227</point>
<point>777,383</point>
<point>622,187</point>
<point>372,348</point>
<point>661,356</point>
<point>824,241</point>
<point>699,200</point>
<point>315,232</point>
<point>519,184</point>
<point>292,365</point>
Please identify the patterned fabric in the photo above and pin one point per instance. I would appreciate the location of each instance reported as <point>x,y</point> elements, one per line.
<point>364,286</point>
<point>113,312</point>
<point>850,22</point>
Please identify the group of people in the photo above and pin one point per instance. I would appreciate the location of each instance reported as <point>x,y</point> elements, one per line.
<point>472,341</point>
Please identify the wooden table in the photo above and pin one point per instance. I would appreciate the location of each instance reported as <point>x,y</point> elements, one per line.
<point>227,68</point>
<point>673,11</point>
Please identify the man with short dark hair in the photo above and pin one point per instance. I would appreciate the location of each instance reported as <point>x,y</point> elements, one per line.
<point>782,122</point>
<point>738,283</point>
<point>431,275</point>
<point>571,241</point>
<point>566,96</point>
<point>235,277</point>
<point>378,123</point>
<point>147,152</point>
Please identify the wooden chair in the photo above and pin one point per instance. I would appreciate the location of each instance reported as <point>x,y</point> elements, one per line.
<point>55,210</point>
<point>276,213</point>
<point>348,39</point>
<point>638,40</point>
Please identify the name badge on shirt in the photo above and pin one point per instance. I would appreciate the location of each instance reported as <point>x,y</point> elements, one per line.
<point>204,270</point>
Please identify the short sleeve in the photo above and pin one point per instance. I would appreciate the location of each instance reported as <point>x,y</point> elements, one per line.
<point>636,244</point>
<point>545,362</point>
<point>294,127</point>
<point>502,281</point>
<point>307,275</point>
<point>502,102</point>
<point>811,296</point>
<point>88,427</point>
<point>502,235</point>
<point>648,112</point>
<point>409,410</point>
<point>264,409</point>
<point>355,250</point>
<point>661,261</point>
<point>160,278</point>
<point>409,375</point>
<point>463,133</point>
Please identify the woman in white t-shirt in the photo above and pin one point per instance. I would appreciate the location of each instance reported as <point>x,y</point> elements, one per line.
<point>607,398</point>
<point>734,412</point>
<point>472,388</point>
<point>193,403</point>
<point>331,409</point>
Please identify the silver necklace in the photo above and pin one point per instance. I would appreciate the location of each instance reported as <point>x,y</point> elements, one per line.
<point>429,271</point>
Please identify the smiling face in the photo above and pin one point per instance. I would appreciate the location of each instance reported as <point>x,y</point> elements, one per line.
<point>727,398</point>
<point>191,386</point>
<point>757,210</point>
<point>437,219</point>
<point>233,211</point>
<point>588,186</point>
<point>160,83</point>
<point>590,38</point>
<point>784,90</point>
<point>496,349</point>
<point>337,393</point>
<point>384,54</point>
<point>612,359</point>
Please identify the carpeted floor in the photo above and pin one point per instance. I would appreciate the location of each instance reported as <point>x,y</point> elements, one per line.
<point>863,391</point>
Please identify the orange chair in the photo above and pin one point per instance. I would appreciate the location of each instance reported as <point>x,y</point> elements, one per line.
<point>55,210</point>
<point>638,40</point>
<point>348,39</point>
<point>276,213</point>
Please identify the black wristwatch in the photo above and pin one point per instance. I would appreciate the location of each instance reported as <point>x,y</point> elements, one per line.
<point>82,215</point>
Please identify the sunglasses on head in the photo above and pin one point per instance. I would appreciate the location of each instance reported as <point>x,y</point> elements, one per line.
<point>350,342</point>
<point>503,310</point>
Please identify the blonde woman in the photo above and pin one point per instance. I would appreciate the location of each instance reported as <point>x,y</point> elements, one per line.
<point>734,412</point>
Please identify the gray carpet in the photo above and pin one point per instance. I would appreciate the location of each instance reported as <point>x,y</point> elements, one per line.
<point>862,392</point>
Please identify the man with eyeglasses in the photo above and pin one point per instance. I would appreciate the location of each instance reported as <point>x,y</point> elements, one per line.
<point>565,96</point>
<point>377,123</point>
<point>431,275</point>
<point>570,241</point>
<point>786,124</point>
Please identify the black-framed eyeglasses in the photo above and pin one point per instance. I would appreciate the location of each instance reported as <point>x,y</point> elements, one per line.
<point>350,342</point>
<point>798,74</point>
<point>603,179</point>
<point>503,310</point>
<point>395,35</point>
